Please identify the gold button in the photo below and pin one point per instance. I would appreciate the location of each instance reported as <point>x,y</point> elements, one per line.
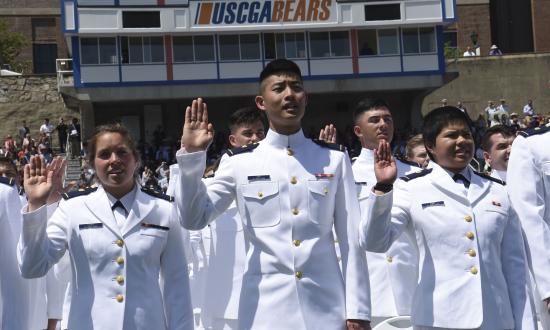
<point>293,180</point>
<point>120,260</point>
<point>289,151</point>
<point>472,253</point>
<point>119,298</point>
<point>119,242</point>
<point>296,242</point>
<point>260,194</point>
<point>468,218</point>
<point>120,279</point>
<point>470,235</point>
<point>473,270</point>
<point>299,275</point>
<point>295,211</point>
<point>389,258</point>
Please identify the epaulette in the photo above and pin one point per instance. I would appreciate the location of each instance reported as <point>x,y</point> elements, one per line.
<point>534,131</point>
<point>157,194</point>
<point>408,162</point>
<point>208,176</point>
<point>8,181</point>
<point>240,150</point>
<point>79,192</point>
<point>415,175</point>
<point>487,176</point>
<point>354,159</point>
<point>333,146</point>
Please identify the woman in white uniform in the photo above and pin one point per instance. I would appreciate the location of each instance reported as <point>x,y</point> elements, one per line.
<point>125,245</point>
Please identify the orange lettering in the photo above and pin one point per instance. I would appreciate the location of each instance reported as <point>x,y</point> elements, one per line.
<point>278,7</point>
<point>325,10</point>
<point>288,7</point>
<point>300,14</point>
<point>313,10</point>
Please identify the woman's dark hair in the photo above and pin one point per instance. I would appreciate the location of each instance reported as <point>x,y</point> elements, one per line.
<point>437,119</point>
<point>111,128</point>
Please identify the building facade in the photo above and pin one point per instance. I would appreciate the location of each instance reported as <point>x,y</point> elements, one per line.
<point>142,61</point>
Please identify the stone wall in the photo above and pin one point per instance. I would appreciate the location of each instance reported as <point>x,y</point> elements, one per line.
<point>30,98</point>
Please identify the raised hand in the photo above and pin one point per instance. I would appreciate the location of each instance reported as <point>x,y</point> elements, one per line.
<point>37,182</point>
<point>384,164</point>
<point>197,131</point>
<point>57,167</point>
<point>328,134</point>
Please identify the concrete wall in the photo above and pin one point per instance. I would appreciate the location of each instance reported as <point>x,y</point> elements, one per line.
<point>516,78</point>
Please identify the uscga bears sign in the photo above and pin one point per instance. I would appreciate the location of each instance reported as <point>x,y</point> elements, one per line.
<point>263,12</point>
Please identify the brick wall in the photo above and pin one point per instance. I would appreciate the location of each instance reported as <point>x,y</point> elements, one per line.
<point>29,3</point>
<point>474,17</point>
<point>541,25</point>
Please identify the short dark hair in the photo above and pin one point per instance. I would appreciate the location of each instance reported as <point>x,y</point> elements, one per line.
<point>368,104</point>
<point>439,118</point>
<point>505,131</point>
<point>280,66</point>
<point>246,116</point>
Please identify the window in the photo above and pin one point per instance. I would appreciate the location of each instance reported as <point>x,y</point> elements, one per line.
<point>138,50</point>
<point>140,19</point>
<point>193,49</point>
<point>284,45</point>
<point>383,12</point>
<point>367,42</point>
<point>98,51</point>
<point>387,42</point>
<point>329,44</point>
<point>419,40</point>
<point>237,47</point>
<point>450,38</point>
<point>377,42</point>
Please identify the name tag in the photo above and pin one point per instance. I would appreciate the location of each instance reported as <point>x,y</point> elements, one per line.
<point>150,225</point>
<point>324,175</point>
<point>360,183</point>
<point>253,178</point>
<point>439,203</point>
<point>90,226</point>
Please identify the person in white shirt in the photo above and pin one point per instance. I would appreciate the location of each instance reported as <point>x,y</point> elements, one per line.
<point>469,52</point>
<point>497,145</point>
<point>503,107</point>
<point>46,129</point>
<point>528,109</point>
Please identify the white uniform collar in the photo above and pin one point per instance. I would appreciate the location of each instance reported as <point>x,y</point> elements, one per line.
<point>501,175</point>
<point>367,155</point>
<point>126,200</point>
<point>283,141</point>
<point>466,172</point>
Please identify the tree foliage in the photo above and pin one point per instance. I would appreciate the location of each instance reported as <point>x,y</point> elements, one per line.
<point>11,44</point>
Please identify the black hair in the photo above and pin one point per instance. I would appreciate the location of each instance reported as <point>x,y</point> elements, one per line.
<point>280,66</point>
<point>246,116</point>
<point>505,131</point>
<point>439,118</point>
<point>367,104</point>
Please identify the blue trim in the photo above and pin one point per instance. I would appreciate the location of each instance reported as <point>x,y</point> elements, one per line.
<point>400,37</point>
<point>75,43</point>
<point>254,79</point>
<point>217,54</point>
<point>119,53</point>
<point>76,22</point>
<point>308,55</point>
<point>444,12</point>
<point>117,3</point>
<point>197,13</point>
<point>440,47</point>
<point>64,16</point>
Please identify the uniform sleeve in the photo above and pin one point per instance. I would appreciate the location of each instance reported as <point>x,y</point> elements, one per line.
<point>516,273</point>
<point>527,191</point>
<point>199,205</point>
<point>385,218</point>
<point>43,242</point>
<point>174,280</point>
<point>354,261</point>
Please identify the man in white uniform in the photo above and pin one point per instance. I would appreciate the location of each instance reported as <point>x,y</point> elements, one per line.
<point>529,189</point>
<point>290,192</point>
<point>392,274</point>
<point>497,145</point>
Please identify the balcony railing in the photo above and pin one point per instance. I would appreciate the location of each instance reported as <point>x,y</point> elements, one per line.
<point>64,69</point>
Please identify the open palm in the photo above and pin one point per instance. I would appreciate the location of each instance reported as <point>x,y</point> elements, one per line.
<point>37,182</point>
<point>197,131</point>
<point>385,168</point>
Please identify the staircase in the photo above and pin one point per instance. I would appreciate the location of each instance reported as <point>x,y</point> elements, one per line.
<point>72,173</point>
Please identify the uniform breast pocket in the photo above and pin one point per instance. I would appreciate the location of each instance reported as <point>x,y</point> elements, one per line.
<point>94,239</point>
<point>261,204</point>
<point>320,201</point>
<point>154,230</point>
<point>363,191</point>
<point>492,222</point>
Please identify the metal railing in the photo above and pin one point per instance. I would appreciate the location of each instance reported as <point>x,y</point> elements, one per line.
<point>64,70</point>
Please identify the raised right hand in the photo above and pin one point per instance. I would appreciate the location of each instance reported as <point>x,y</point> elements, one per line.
<point>385,168</point>
<point>37,182</point>
<point>197,131</point>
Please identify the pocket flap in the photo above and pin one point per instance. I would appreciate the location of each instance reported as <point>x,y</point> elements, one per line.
<point>260,190</point>
<point>319,187</point>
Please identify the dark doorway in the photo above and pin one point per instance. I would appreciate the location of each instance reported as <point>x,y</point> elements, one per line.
<point>44,56</point>
<point>512,25</point>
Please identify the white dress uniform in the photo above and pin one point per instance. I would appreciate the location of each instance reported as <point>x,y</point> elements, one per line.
<point>14,290</point>
<point>529,189</point>
<point>472,265</point>
<point>115,280</point>
<point>290,192</point>
<point>392,274</point>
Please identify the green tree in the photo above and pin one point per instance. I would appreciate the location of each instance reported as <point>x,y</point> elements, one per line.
<point>11,44</point>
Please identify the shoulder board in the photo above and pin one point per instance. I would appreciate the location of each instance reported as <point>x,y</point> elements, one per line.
<point>412,176</point>
<point>333,146</point>
<point>208,176</point>
<point>354,159</point>
<point>240,150</point>
<point>79,192</point>
<point>8,181</point>
<point>157,194</point>
<point>534,131</point>
<point>488,177</point>
<point>408,162</point>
